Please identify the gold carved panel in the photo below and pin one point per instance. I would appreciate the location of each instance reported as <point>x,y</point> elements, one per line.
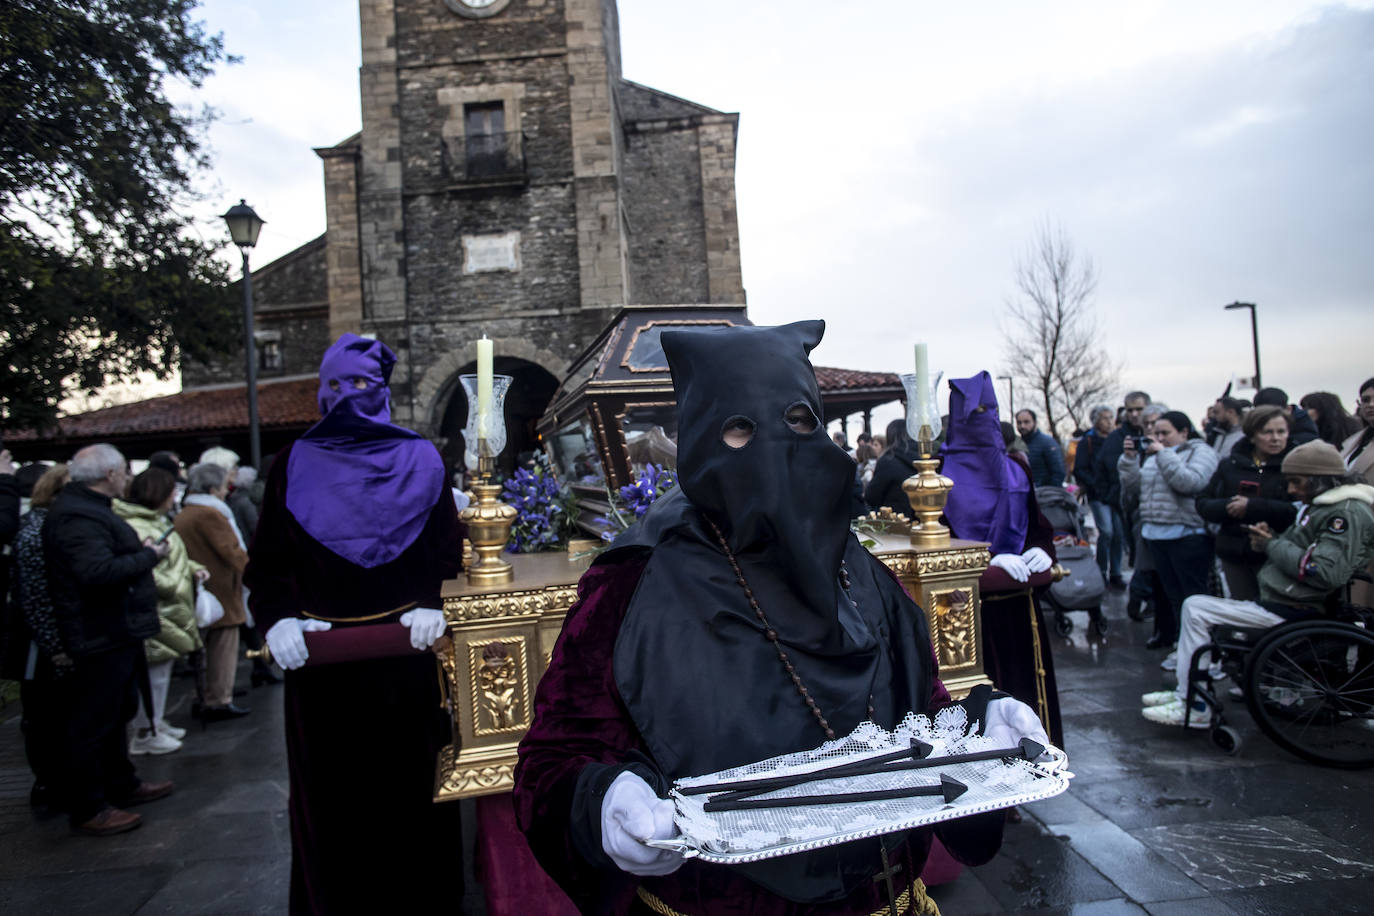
<point>955,631</point>
<point>500,685</point>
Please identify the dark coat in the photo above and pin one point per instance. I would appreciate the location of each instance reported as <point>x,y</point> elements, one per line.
<point>1046,459</point>
<point>1106,478</point>
<point>100,575</point>
<point>245,513</point>
<point>885,487</point>
<point>1304,428</point>
<point>1085,465</point>
<point>1270,503</point>
<point>12,633</point>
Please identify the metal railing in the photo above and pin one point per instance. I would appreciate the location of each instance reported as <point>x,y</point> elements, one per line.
<point>488,156</point>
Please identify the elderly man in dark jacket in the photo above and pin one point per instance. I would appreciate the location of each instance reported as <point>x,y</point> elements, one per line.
<point>105,602</point>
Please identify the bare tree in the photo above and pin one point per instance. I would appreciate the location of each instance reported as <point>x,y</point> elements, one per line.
<point>1053,344</point>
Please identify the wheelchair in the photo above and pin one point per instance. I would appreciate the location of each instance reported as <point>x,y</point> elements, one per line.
<point>1308,684</point>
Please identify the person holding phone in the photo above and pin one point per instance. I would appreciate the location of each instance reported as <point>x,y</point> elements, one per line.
<point>1248,488</point>
<point>1177,467</point>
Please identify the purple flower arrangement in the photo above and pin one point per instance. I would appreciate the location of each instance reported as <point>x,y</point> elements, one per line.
<point>545,513</point>
<point>629,503</point>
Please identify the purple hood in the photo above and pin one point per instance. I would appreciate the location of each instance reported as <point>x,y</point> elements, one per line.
<point>359,485</point>
<point>991,496</point>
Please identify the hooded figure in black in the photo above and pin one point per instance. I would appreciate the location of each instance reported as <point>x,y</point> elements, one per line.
<point>739,620</point>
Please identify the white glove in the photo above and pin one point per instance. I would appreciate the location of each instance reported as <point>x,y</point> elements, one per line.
<point>631,812</point>
<point>287,643</point>
<point>426,625</point>
<point>1010,720</point>
<point>1013,565</point>
<point>1037,561</point>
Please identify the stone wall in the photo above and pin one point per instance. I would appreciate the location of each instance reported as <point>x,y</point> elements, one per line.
<point>291,308</point>
<point>667,237</point>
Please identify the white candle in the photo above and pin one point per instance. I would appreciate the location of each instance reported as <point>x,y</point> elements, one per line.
<point>483,387</point>
<point>922,385</point>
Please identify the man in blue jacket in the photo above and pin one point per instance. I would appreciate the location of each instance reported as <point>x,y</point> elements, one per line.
<point>1045,455</point>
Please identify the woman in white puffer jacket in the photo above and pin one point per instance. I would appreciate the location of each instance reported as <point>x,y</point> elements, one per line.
<point>1176,468</point>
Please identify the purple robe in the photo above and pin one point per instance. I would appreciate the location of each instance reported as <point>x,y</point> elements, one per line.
<point>361,738</point>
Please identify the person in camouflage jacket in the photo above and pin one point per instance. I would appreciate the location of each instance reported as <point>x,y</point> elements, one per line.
<point>1305,566</point>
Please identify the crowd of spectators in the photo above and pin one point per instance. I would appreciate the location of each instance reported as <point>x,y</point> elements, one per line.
<point>111,581</point>
<point>1209,518</point>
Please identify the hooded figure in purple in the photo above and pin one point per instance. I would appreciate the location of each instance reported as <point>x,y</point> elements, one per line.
<point>993,501</point>
<point>989,499</point>
<point>357,523</point>
<point>358,484</point>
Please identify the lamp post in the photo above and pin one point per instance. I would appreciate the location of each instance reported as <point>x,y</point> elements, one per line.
<point>1254,335</point>
<point>244,226</point>
<point>1011,394</point>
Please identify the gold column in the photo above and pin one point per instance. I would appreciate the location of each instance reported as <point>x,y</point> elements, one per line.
<point>489,522</point>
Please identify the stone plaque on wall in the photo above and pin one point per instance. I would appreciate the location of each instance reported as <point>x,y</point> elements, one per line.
<point>483,253</point>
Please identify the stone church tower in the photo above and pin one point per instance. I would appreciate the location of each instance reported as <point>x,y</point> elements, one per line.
<point>507,181</point>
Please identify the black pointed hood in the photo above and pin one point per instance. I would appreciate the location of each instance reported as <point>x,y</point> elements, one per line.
<point>782,500</point>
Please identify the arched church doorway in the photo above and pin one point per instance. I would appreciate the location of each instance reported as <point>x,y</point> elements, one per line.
<point>531,389</point>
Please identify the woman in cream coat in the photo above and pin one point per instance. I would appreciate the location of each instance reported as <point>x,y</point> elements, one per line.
<point>151,495</point>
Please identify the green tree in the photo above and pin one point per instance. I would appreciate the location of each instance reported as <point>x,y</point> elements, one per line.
<point>102,275</point>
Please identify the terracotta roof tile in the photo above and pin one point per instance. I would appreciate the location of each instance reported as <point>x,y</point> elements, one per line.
<point>835,380</point>
<point>280,404</point>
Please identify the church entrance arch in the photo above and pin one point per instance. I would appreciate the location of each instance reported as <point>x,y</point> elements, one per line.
<point>531,389</point>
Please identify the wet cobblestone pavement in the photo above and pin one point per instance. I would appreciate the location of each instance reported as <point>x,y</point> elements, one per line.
<point>1157,821</point>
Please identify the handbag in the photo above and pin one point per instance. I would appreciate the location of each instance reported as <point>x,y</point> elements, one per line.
<point>208,608</point>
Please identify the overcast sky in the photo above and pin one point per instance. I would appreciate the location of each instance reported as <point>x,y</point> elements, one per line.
<point>895,158</point>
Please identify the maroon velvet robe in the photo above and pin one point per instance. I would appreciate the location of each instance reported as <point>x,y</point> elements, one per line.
<point>361,738</point>
<point>1013,627</point>
<point>580,719</point>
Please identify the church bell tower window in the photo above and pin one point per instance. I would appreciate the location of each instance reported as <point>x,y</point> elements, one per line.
<point>485,134</point>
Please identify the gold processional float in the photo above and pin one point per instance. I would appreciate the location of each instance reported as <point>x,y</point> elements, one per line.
<point>612,413</point>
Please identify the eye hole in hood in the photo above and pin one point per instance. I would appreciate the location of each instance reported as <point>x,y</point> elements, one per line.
<point>738,431</point>
<point>801,419</point>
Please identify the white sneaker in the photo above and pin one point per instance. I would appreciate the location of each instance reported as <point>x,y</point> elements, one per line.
<point>1216,672</point>
<point>1170,662</point>
<point>1158,698</point>
<point>156,743</point>
<point>1172,714</point>
<point>166,728</point>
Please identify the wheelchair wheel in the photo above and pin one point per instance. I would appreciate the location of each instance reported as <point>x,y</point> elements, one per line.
<point>1226,739</point>
<point>1310,687</point>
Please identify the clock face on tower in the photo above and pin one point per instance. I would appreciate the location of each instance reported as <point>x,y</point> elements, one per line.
<point>476,9</point>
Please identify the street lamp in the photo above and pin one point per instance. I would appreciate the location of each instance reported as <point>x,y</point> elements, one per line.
<point>1254,334</point>
<point>244,226</point>
<point>1011,394</point>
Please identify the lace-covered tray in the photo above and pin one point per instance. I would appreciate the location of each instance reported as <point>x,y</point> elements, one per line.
<point>736,837</point>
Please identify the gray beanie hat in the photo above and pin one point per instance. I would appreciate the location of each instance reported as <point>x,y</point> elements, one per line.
<point>1315,459</point>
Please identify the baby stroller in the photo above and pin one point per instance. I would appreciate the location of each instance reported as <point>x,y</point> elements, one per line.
<point>1082,589</point>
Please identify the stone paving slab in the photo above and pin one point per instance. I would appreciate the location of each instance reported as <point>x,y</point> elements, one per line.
<point>1262,851</point>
